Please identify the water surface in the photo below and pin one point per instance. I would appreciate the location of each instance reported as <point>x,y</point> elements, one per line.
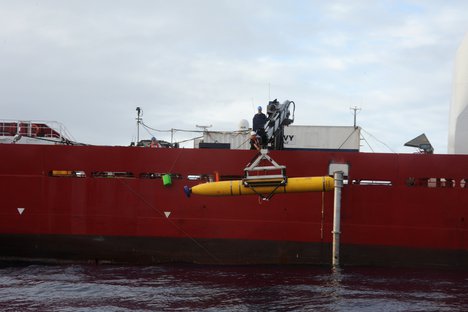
<point>232,288</point>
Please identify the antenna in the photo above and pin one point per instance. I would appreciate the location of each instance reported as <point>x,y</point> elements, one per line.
<point>138,119</point>
<point>204,127</point>
<point>355,110</point>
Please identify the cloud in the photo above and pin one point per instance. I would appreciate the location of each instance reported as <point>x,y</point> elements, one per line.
<point>89,64</point>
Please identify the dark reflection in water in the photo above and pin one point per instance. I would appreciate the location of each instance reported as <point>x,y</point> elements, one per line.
<point>219,288</point>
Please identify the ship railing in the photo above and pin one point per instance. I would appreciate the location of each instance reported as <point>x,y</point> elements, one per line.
<point>44,129</point>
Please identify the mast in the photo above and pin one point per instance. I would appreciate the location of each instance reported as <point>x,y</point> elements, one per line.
<point>138,119</point>
<point>355,110</point>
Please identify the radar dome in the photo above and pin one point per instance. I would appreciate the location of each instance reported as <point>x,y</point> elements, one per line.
<point>243,124</point>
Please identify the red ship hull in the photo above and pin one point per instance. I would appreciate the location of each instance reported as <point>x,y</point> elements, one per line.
<point>397,209</point>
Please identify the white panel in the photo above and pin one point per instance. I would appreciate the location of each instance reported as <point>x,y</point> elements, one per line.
<point>296,137</point>
<point>338,167</point>
<point>458,122</point>
<point>322,137</point>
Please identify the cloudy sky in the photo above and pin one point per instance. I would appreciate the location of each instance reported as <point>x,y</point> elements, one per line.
<point>89,64</point>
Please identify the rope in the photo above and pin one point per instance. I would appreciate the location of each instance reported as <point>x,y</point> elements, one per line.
<point>267,198</point>
<point>162,213</point>
<point>346,140</point>
<point>175,160</point>
<point>368,144</point>
<point>193,131</point>
<point>377,141</point>
<point>145,126</point>
<point>177,130</point>
<point>243,143</point>
<point>323,216</point>
<point>183,141</point>
<point>143,199</point>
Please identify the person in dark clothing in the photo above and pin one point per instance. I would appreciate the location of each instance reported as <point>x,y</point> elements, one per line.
<point>259,120</point>
<point>258,125</point>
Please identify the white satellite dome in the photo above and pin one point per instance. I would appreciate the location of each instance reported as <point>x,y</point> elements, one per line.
<point>458,123</point>
<point>243,124</point>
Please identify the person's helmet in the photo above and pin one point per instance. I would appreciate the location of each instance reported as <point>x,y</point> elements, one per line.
<point>259,108</point>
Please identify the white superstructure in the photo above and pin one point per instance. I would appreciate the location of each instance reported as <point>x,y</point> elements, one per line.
<point>340,138</point>
<point>344,138</point>
<point>458,122</point>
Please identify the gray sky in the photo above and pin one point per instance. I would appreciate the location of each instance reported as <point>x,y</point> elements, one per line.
<point>89,64</point>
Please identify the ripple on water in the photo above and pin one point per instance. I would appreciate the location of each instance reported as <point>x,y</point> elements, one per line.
<point>215,288</point>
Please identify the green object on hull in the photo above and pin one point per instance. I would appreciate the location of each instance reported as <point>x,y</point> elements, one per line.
<point>167,180</point>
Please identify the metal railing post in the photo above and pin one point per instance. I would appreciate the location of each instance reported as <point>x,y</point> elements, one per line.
<point>338,176</point>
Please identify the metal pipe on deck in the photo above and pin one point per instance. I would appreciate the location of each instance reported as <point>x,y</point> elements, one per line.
<point>338,177</point>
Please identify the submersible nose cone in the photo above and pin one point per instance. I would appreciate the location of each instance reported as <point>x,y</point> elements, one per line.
<point>187,191</point>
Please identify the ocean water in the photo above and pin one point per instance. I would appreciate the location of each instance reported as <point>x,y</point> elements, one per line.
<point>231,288</point>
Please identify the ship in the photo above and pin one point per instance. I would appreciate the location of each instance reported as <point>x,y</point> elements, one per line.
<point>68,202</point>
<point>284,195</point>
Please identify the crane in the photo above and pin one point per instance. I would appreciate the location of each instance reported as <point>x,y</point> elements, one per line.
<point>279,116</point>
